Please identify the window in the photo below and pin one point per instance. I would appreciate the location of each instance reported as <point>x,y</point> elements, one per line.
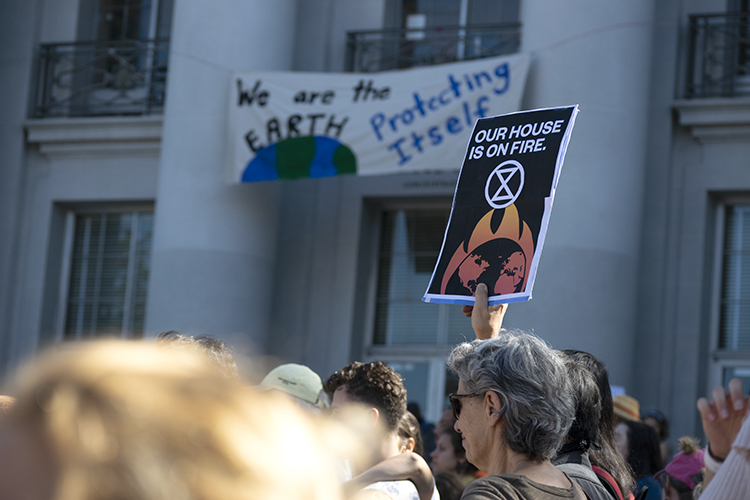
<point>734,332</point>
<point>113,20</point>
<point>409,247</point>
<point>414,337</point>
<point>118,66</point>
<point>462,12</point>
<point>427,32</point>
<point>471,41</point>
<point>105,277</point>
<point>732,341</point>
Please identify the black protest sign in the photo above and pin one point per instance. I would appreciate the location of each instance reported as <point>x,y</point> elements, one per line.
<point>501,206</point>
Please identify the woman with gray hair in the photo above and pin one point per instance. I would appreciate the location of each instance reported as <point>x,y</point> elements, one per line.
<point>514,408</point>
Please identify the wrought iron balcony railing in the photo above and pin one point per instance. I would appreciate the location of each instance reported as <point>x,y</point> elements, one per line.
<point>381,50</point>
<point>101,78</point>
<point>719,56</point>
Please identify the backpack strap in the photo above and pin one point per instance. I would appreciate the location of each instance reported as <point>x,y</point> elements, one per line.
<point>608,481</point>
<point>642,494</point>
<point>587,481</point>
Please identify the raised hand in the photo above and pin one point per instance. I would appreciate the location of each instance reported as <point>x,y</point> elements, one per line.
<point>723,417</point>
<point>485,320</point>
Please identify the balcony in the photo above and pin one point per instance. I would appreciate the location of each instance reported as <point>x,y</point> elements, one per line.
<point>719,56</point>
<point>381,50</point>
<point>124,78</point>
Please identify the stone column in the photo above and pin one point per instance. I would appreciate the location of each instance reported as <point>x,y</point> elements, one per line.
<point>214,243</point>
<point>597,55</point>
<point>18,38</point>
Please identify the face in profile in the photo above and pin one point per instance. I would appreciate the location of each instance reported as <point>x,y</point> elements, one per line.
<point>444,456</point>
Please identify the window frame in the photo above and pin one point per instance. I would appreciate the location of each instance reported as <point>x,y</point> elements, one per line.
<point>721,359</point>
<point>70,214</point>
<point>434,356</point>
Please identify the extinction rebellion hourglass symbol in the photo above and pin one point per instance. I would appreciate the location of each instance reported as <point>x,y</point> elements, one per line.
<point>504,184</point>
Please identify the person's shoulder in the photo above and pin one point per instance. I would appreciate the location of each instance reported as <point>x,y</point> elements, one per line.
<point>517,487</point>
<point>490,487</point>
<point>587,480</point>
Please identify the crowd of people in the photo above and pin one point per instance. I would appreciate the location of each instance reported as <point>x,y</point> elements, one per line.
<point>172,419</point>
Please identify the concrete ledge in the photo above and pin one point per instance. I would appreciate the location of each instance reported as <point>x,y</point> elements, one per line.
<point>716,120</point>
<point>96,137</point>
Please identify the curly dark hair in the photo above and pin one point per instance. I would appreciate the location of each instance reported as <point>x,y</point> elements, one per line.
<point>375,384</point>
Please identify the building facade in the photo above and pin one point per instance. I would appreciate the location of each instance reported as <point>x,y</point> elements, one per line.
<point>117,218</point>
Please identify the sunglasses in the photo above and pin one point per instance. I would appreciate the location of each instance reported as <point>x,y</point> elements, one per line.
<point>455,400</point>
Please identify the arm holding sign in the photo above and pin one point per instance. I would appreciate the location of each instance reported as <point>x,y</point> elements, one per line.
<point>485,320</point>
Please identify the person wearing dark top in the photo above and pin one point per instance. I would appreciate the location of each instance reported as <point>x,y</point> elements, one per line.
<point>606,456</point>
<point>610,466</point>
<point>642,452</point>
<point>573,457</point>
<point>513,408</point>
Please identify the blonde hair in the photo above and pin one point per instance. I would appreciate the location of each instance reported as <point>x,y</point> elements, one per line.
<point>688,445</point>
<point>126,420</point>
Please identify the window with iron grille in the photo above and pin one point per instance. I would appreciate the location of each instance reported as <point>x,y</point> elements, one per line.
<point>428,32</point>
<point>117,66</point>
<point>734,332</point>
<point>108,275</point>
<point>409,247</point>
<point>732,344</point>
<point>414,337</point>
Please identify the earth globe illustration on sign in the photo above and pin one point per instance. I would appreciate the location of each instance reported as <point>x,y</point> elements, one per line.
<point>498,253</point>
<point>297,157</point>
<point>499,263</point>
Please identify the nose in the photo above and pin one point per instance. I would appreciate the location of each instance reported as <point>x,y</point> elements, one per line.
<point>456,428</point>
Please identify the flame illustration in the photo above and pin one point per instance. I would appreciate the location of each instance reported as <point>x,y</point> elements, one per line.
<point>511,227</point>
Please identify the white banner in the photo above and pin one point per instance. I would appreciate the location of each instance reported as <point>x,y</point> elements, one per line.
<point>286,125</point>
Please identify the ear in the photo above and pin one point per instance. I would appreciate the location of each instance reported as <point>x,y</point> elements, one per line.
<point>493,405</point>
<point>409,446</point>
<point>374,415</point>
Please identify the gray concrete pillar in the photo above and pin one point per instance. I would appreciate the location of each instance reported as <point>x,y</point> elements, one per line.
<point>214,243</point>
<point>596,55</point>
<point>18,37</point>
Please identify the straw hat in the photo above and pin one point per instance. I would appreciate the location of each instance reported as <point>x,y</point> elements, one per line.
<point>626,407</point>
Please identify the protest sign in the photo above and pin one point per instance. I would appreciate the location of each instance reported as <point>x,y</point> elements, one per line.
<point>501,207</point>
<point>285,125</point>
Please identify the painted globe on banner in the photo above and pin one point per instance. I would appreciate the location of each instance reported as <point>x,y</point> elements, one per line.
<point>298,157</point>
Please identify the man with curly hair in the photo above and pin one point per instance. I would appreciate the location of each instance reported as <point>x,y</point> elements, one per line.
<point>372,396</point>
<point>374,385</point>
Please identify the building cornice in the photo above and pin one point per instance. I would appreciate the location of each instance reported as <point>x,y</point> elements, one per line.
<point>96,137</point>
<point>715,120</point>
